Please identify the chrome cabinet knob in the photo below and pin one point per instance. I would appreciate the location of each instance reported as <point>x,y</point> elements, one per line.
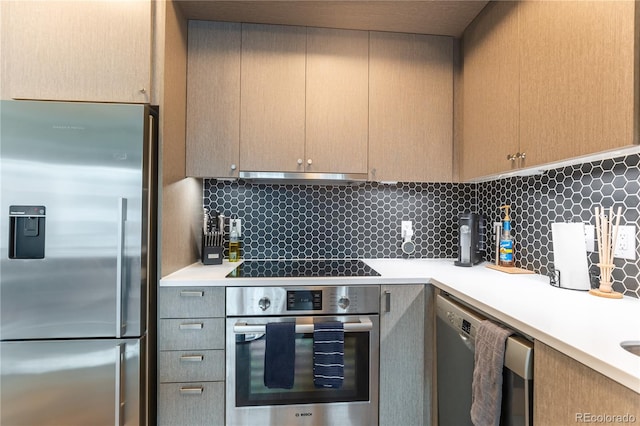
<point>521,155</point>
<point>264,303</point>
<point>299,161</point>
<point>511,157</point>
<point>309,162</point>
<point>233,167</point>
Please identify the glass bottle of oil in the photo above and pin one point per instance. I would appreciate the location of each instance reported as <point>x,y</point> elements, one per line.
<point>234,242</point>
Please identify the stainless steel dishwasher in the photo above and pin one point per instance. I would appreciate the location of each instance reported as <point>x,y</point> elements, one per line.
<point>456,326</point>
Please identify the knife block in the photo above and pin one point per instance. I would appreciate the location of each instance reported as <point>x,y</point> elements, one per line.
<point>211,255</point>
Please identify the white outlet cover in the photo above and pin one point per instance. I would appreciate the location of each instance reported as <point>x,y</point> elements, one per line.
<point>626,243</point>
<point>406,227</point>
<point>589,231</point>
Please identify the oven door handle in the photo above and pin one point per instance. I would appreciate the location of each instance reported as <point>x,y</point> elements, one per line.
<point>364,324</point>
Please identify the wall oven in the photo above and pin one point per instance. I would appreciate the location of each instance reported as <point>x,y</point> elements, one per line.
<point>250,309</point>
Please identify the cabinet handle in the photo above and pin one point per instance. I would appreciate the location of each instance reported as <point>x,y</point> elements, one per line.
<point>233,167</point>
<point>120,384</point>
<point>299,161</point>
<point>511,157</point>
<point>191,390</point>
<point>387,301</point>
<point>309,161</point>
<point>120,283</point>
<point>192,358</point>
<point>191,293</point>
<point>143,90</point>
<point>521,155</point>
<point>192,326</point>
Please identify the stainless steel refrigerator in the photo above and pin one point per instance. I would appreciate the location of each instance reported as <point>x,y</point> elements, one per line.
<point>77,247</point>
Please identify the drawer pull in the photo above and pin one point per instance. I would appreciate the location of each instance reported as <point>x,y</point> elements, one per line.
<point>191,293</point>
<point>188,390</point>
<point>192,326</point>
<point>192,358</point>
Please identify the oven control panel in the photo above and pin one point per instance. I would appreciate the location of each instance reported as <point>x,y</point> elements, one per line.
<point>243,301</point>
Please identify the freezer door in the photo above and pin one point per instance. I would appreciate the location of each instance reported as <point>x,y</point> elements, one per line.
<point>86,164</point>
<point>74,382</point>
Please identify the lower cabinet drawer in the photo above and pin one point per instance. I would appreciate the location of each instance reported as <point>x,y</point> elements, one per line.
<point>191,404</point>
<point>174,302</point>
<point>191,333</point>
<point>189,366</point>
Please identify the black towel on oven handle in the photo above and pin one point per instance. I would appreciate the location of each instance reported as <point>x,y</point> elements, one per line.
<point>280,355</point>
<point>328,354</point>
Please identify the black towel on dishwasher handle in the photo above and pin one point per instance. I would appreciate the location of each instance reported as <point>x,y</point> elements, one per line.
<point>328,354</point>
<point>280,355</point>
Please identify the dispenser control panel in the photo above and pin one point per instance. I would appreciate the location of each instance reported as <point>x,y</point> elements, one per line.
<point>27,232</point>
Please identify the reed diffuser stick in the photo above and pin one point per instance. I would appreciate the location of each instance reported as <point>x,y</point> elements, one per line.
<point>598,233</point>
<point>615,231</point>
<point>607,235</point>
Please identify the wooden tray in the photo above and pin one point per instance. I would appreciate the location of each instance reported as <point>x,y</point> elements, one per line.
<point>510,269</point>
<point>612,295</point>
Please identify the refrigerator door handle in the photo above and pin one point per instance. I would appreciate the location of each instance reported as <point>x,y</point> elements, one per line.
<point>122,217</point>
<point>120,385</point>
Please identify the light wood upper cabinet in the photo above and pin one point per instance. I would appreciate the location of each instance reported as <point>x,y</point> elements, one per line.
<point>319,100</point>
<point>272,101</point>
<point>578,78</point>
<point>304,99</point>
<point>491,101</point>
<point>213,99</point>
<point>79,51</point>
<point>549,81</point>
<point>410,107</point>
<point>337,101</point>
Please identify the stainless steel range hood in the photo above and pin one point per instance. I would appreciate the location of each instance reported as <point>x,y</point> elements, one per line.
<point>295,178</point>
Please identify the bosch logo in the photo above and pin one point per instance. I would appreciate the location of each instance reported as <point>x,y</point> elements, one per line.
<point>304,414</point>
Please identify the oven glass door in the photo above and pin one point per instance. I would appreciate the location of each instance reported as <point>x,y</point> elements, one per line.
<point>247,358</point>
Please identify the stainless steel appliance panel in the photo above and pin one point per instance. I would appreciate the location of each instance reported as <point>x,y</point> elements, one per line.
<point>75,382</point>
<point>250,309</point>
<point>456,327</point>
<point>88,165</point>
<point>355,404</point>
<point>265,301</point>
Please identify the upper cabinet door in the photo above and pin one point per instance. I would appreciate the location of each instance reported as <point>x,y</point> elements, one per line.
<point>578,90</point>
<point>410,107</point>
<point>490,100</point>
<point>213,99</point>
<point>77,50</point>
<point>272,101</point>
<point>337,101</point>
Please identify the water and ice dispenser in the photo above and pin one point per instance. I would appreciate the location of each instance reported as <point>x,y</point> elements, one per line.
<point>27,232</point>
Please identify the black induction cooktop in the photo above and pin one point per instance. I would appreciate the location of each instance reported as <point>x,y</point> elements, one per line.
<point>303,269</point>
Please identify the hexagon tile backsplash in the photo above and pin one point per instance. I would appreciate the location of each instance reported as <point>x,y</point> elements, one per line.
<point>291,221</point>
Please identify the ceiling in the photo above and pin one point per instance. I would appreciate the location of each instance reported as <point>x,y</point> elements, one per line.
<point>448,17</point>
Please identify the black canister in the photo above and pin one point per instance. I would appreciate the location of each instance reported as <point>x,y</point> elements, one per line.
<point>470,241</point>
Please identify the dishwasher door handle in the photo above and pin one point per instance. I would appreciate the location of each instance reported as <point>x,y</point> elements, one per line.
<point>467,342</point>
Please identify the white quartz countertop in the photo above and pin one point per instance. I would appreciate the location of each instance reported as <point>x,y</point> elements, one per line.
<point>584,327</point>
